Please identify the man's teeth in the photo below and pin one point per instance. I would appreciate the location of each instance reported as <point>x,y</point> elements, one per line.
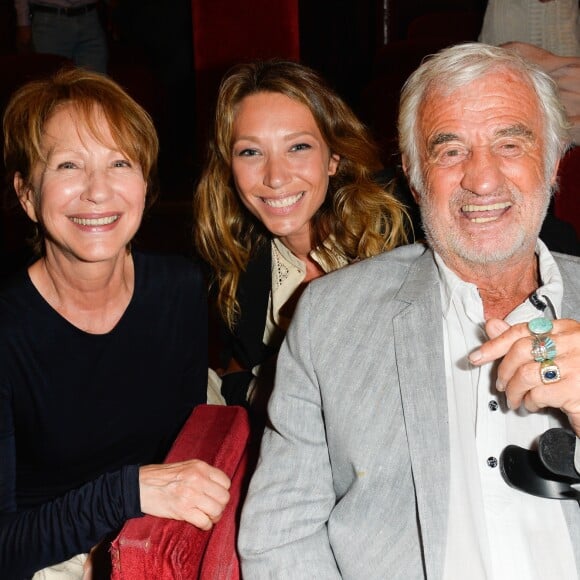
<point>483,208</point>
<point>102,221</point>
<point>283,201</point>
<point>491,207</point>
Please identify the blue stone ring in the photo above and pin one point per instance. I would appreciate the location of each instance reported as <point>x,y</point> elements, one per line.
<point>549,372</point>
<point>540,326</point>
<point>543,348</point>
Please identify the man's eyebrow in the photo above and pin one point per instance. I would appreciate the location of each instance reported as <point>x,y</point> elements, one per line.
<point>518,130</point>
<point>440,139</point>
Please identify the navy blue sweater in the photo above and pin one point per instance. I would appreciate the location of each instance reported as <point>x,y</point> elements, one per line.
<point>79,412</point>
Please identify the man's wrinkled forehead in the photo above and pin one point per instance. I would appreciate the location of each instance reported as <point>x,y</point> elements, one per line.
<point>517,91</point>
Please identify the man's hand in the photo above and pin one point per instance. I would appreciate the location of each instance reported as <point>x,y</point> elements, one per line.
<point>518,374</point>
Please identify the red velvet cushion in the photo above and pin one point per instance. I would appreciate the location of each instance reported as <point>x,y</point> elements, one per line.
<point>151,547</point>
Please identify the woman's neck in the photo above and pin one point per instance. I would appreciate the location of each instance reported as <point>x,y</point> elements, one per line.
<point>299,243</point>
<point>91,296</point>
<point>301,246</point>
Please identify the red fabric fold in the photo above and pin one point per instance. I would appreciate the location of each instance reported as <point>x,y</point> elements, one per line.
<point>151,547</point>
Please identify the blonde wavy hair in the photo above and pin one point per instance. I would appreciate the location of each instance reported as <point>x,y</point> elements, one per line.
<point>361,216</point>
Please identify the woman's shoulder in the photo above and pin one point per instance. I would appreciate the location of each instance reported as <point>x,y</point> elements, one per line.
<point>168,283</point>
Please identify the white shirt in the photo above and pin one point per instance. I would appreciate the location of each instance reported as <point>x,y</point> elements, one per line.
<point>494,531</point>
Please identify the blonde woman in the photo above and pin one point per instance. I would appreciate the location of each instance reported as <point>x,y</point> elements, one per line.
<point>286,196</point>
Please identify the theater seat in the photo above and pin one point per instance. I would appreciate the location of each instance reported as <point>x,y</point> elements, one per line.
<point>151,547</point>
<point>226,33</point>
<point>567,198</point>
<point>451,25</point>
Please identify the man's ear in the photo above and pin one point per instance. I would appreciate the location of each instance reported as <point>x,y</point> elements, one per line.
<point>405,164</point>
<point>25,195</point>
<point>416,196</point>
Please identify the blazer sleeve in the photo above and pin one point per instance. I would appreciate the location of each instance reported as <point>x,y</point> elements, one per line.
<point>283,532</point>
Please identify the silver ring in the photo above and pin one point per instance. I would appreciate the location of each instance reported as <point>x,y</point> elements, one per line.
<point>543,348</point>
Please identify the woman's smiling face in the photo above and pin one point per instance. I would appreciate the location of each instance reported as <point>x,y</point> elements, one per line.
<point>92,196</point>
<point>281,164</point>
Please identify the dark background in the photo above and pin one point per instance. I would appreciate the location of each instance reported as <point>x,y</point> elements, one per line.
<point>364,49</point>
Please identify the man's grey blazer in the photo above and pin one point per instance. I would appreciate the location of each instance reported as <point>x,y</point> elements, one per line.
<point>353,479</point>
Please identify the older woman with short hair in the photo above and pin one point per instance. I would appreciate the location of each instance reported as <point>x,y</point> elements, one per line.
<point>103,350</point>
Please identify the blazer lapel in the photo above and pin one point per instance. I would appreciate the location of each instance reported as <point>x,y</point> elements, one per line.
<point>420,358</point>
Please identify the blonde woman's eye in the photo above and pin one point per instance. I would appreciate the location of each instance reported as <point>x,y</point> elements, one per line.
<point>248,153</point>
<point>300,147</point>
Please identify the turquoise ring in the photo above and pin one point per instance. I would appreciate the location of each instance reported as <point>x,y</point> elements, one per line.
<point>543,348</point>
<point>540,326</point>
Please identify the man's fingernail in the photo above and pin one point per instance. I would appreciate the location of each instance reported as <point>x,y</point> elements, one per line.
<point>500,385</point>
<point>475,356</point>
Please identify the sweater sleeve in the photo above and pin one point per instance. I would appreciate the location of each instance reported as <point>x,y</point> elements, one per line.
<point>69,469</point>
<point>71,524</point>
<point>54,531</point>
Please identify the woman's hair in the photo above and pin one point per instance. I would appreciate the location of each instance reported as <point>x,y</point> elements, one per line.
<point>34,104</point>
<point>360,216</point>
<point>459,65</point>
